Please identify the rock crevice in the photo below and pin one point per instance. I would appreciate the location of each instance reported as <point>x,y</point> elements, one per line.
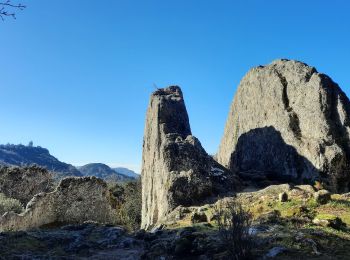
<point>294,123</point>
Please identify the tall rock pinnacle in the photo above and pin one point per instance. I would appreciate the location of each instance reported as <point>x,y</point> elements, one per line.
<point>176,170</point>
<point>289,122</point>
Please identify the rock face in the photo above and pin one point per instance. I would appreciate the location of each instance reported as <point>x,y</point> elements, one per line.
<point>23,183</point>
<point>176,170</point>
<point>75,200</point>
<point>289,122</point>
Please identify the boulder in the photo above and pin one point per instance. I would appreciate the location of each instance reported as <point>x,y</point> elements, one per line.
<point>75,200</point>
<point>275,251</point>
<point>291,124</point>
<point>322,196</point>
<point>329,221</point>
<point>306,188</point>
<point>302,192</point>
<point>283,197</point>
<point>176,170</point>
<point>22,183</point>
<point>345,196</point>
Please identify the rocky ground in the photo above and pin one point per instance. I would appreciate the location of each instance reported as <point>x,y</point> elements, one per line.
<point>83,241</point>
<point>288,223</point>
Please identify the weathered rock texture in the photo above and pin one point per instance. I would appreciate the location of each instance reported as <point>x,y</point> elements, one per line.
<point>288,122</point>
<point>75,200</point>
<point>22,183</point>
<point>176,170</point>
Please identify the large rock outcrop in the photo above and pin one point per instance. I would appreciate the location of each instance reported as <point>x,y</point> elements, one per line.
<point>22,183</point>
<point>176,170</point>
<point>289,122</point>
<point>75,200</point>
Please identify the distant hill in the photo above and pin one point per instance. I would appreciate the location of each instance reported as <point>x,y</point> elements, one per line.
<point>103,171</point>
<point>23,155</point>
<point>127,172</point>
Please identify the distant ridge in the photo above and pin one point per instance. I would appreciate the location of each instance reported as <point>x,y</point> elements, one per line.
<point>127,172</point>
<point>23,155</point>
<point>103,171</point>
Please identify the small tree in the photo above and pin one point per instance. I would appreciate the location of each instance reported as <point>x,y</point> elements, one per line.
<point>126,199</point>
<point>234,224</point>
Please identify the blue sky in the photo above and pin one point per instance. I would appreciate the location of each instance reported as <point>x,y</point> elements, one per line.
<point>76,75</point>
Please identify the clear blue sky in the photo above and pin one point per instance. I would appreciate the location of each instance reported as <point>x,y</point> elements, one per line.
<point>76,75</point>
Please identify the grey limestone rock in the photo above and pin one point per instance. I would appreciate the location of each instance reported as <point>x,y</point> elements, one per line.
<point>176,170</point>
<point>75,200</point>
<point>22,183</point>
<point>322,196</point>
<point>289,123</point>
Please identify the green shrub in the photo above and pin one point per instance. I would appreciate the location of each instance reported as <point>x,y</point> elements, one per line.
<point>126,199</point>
<point>9,204</point>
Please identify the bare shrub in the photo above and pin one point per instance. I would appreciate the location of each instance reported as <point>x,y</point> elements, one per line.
<point>234,225</point>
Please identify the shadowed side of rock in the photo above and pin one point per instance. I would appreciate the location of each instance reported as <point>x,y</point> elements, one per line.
<point>75,200</point>
<point>176,170</point>
<point>307,108</point>
<point>262,157</point>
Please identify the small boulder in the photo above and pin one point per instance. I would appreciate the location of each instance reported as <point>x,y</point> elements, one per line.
<point>321,222</point>
<point>345,196</point>
<point>329,221</point>
<point>306,188</point>
<point>322,196</point>
<point>273,252</point>
<point>302,192</point>
<point>283,197</point>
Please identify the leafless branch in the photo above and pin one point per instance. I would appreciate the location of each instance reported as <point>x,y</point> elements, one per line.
<point>7,9</point>
<point>234,225</point>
